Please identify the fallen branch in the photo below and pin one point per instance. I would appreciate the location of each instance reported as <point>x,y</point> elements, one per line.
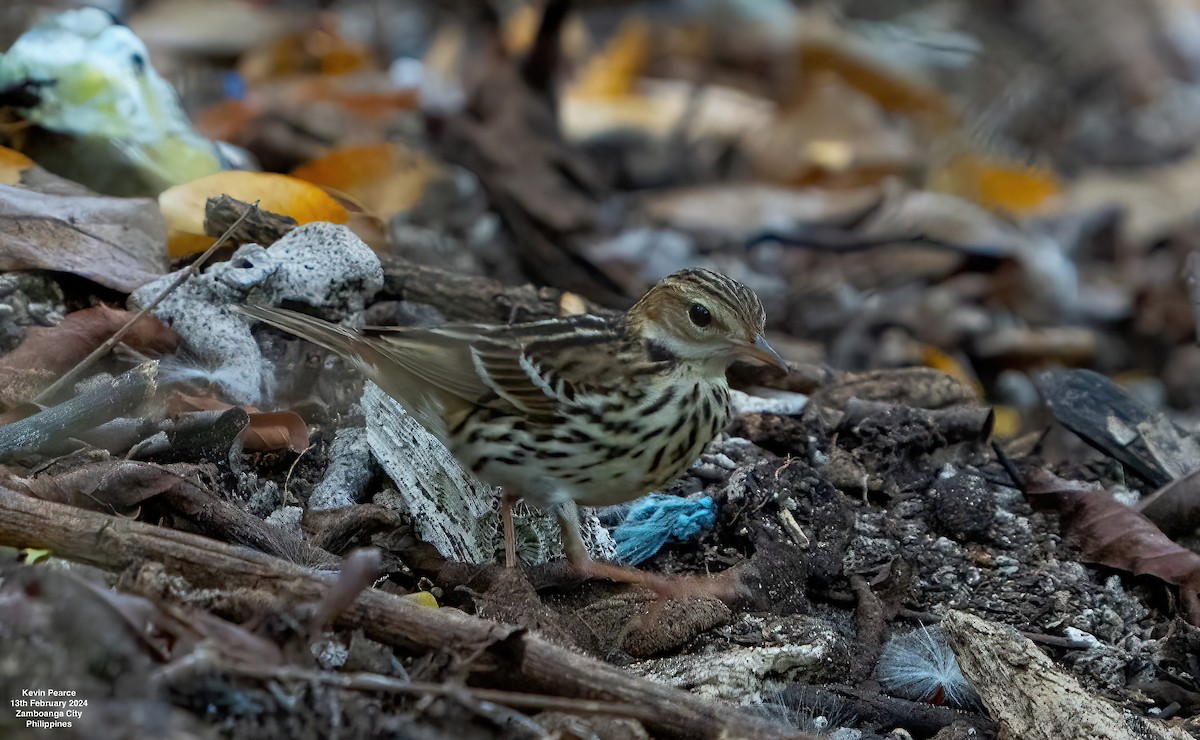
<point>97,405</point>
<point>378,683</point>
<point>1030,696</point>
<point>503,653</point>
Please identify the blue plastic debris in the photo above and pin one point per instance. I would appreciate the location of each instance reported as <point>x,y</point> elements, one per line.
<point>657,518</point>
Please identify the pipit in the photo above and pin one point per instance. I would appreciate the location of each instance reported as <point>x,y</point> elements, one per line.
<point>584,410</point>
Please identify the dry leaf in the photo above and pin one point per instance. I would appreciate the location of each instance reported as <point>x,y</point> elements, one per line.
<point>521,26</point>
<point>835,135</point>
<point>1112,534</point>
<point>183,205</point>
<point>110,486</point>
<point>385,179</point>
<point>615,70</point>
<point>996,183</point>
<point>320,51</point>
<point>938,360</point>
<point>268,431</point>
<point>893,92</point>
<point>744,210</point>
<point>1120,425</point>
<point>1176,506</point>
<point>47,352</point>
<point>12,164</point>
<point>1154,201</point>
<point>119,243</point>
<point>275,430</point>
<point>210,28</point>
<point>659,107</point>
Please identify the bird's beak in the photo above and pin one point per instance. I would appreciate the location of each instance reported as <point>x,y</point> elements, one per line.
<point>758,349</point>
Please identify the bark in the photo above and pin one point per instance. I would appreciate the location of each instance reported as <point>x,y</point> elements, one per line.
<point>1032,698</point>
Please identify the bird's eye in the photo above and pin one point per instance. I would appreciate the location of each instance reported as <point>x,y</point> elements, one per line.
<point>699,315</point>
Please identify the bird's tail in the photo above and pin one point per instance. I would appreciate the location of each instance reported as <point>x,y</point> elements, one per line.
<point>340,339</point>
<point>385,369</point>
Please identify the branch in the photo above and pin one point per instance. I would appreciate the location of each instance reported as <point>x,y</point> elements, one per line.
<point>507,654</point>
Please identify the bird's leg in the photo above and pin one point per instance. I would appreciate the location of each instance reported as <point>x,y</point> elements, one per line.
<point>510,535</point>
<point>724,586</point>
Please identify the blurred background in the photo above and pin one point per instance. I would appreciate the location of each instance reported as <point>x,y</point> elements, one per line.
<point>986,187</point>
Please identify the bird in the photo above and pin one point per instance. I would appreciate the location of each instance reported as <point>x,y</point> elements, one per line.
<point>584,410</point>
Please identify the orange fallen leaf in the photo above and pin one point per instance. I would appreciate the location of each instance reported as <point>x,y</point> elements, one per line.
<point>385,179</point>
<point>183,205</point>
<point>12,165</point>
<point>996,183</point>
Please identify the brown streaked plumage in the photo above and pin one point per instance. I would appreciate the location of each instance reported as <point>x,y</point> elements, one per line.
<point>581,410</point>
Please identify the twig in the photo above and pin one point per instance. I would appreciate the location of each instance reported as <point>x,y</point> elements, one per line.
<point>73,374</point>
<point>1009,467</point>
<point>85,411</point>
<point>287,481</point>
<point>387,684</point>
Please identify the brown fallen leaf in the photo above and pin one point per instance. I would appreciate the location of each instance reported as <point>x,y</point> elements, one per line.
<point>268,431</point>
<point>47,352</point>
<point>119,243</point>
<point>275,430</point>
<point>1113,534</point>
<point>1175,507</point>
<point>109,486</point>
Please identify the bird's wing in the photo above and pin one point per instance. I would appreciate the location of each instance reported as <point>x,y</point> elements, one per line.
<point>539,366</point>
<point>531,368</point>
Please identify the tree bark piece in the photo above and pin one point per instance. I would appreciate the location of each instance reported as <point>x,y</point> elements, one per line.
<point>505,653</point>
<point>1030,697</point>
<point>259,227</point>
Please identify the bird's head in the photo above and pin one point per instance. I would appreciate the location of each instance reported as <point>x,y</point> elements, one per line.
<point>704,317</point>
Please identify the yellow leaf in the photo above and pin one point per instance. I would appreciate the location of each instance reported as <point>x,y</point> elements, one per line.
<point>422,598</point>
<point>1007,422</point>
<point>183,205</point>
<point>12,165</point>
<point>385,179</point>
<point>521,26</point>
<point>614,71</point>
<point>939,360</point>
